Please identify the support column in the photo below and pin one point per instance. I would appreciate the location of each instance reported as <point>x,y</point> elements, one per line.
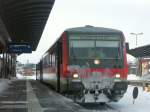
<point>11,68</point>
<point>0,68</point>
<point>3,66</point>
<point>6,66</point>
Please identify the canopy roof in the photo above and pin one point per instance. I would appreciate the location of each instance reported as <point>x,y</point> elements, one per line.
<point>25,19</point>
<point>142,51</point>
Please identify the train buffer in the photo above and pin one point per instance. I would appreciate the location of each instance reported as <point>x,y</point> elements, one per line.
<point>32,96</point>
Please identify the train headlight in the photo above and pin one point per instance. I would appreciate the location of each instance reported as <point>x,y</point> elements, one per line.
<point>75,75</point>
<point>117,75</point>
<point>96,61</point>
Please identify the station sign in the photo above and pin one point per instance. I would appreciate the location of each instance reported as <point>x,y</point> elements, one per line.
<point>19,48</point>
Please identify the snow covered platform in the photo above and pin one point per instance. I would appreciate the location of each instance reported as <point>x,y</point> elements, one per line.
<point>32,96</point>
<point>141,104</point>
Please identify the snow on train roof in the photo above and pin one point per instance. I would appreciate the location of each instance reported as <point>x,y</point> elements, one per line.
<point>92,29</point>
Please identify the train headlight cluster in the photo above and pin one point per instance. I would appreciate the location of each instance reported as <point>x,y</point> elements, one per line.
<point>96,62</point>
<point>117,75</point>
<point>75,75</point>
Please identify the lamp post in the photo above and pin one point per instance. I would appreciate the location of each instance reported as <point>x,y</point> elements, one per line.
<point>137,60</point>
<point>136,35</point>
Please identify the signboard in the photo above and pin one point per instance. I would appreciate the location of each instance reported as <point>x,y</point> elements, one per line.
<point>19,48</point>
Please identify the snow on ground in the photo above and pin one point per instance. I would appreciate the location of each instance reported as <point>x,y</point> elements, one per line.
<point>133,77</point>
<point>4,83</point>
<point>130,58</point>
<point>146,77</point>
<point>31,77</point>
<point>22,77</point>
<point>19,76</point>
<point>142,103</point>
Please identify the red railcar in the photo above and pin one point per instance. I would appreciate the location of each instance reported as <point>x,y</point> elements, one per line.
<point>88,63</point>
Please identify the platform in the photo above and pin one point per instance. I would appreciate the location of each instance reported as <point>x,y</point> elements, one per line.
<point>33,96</point>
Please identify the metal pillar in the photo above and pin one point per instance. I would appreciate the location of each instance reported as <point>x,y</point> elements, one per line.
<point>10,66</point>
<point>6,65</point>
<point>3,66</point>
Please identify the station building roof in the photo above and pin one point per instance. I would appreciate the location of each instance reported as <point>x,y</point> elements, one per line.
<point>25,19</point>
<point>143,51</point>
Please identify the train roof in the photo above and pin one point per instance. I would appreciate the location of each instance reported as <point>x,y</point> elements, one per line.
<point>91,29</point>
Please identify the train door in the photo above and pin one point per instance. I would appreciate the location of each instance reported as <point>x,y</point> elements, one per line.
<point>58,63</point>
<point>41,70</point>
<point>36,72</point>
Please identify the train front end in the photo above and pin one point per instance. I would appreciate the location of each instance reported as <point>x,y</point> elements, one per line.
<point>97,64</point>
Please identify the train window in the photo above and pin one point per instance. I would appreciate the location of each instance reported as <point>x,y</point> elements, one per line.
<point>53,59</point>
<point>107,44</point>
<point>46,61</point>
<point>107,49</point>
<point>81,43</point>
<point>60,53</point>
<point>95,49</point>
<point>50,60</point>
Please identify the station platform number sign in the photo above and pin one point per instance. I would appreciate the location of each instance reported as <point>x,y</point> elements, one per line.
<point>19,48</point>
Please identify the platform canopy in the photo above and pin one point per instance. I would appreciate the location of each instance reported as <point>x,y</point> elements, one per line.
<point>4,36</point>
<point>143,51</point>
<point>25,19</point>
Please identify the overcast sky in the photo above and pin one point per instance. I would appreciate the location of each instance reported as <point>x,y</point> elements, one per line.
<point>125,15</point>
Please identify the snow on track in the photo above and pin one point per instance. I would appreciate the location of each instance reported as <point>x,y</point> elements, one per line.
<point>97,107</point>
<point>142,103</point>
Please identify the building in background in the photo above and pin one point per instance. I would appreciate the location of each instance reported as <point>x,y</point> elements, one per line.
<point>132,68</point>
<point>27,69</point>
<point>145,66</point>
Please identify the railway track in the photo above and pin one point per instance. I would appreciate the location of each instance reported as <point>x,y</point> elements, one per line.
<point>99,107</point>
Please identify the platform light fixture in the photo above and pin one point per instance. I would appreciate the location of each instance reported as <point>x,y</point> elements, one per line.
<point>136,35</point>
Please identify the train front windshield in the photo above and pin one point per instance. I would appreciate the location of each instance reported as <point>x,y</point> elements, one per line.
<point>102,47</point>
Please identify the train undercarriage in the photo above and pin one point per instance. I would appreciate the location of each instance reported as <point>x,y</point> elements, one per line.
<point>81,93</point>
